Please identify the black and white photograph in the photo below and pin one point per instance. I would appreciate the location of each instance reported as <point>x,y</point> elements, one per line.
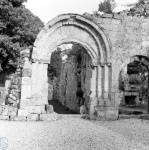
<point>74,74</point>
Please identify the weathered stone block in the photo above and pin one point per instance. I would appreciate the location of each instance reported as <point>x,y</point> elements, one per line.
<point>107,21</point>
<point>116,22</point>
<point>135,116</point>
<point>22,112</point>
<point>39,84</point>
<point>107,102</point>
<point>35,109</point>
<point>122,116</point>
<point>33,117</point>
<point>106,95</point>
<point>1,109</point>
<point>13,112</point>
<point>112,96</point>
<point>13,118</point>
<point>3,117</point>
<point>40,109</point>
<point>100,102</point>
<point>21,118</point>
<point>26,97</point>
<point>26,72</point>
<point>49,117</point>
<point>117,16</point>
<point>5,112</point>
<point>92,117</point>
<point>111,114</point>
<point>13,109</point>
<point>100,115</point>
<point>107,15</point>
<point>49,109</point>
<point>26,81</point>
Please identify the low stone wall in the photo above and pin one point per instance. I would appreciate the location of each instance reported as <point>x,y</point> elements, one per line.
<point>143,116</point>
<point>14,91</point>
<point>31,113</point>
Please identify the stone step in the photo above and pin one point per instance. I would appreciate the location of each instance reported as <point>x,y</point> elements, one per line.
<point>71,115</point>
<point>142,116</point>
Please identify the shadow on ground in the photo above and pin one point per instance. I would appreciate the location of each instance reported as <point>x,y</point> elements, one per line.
<point>60,109</point>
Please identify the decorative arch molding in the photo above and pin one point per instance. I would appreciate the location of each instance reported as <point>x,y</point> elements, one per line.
<point>69,28</point>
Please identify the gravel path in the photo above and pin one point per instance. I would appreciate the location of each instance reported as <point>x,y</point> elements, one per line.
<point>76,134</point>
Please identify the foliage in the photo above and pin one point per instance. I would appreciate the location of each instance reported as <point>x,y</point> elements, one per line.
<point>54,69</point>
<point>141,8</point>
<point>135,79</point>
<point>18,29</point>
<point>107,6</point>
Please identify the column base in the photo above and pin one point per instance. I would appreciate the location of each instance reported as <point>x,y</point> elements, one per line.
<point>106,113</point>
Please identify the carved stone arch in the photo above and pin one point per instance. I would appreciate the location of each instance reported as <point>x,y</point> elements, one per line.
<point>72,28</point>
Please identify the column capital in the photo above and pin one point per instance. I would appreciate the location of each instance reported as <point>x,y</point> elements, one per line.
<point>102,64</point>
<point>109,64</point>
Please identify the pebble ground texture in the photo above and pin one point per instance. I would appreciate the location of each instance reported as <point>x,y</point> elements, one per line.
<point>76,134</point>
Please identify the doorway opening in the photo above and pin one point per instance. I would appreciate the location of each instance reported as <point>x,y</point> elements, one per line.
<point>133,84</point>
<point>69,74</point>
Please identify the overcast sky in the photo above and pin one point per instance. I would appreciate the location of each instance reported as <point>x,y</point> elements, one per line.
<point>48,9</point>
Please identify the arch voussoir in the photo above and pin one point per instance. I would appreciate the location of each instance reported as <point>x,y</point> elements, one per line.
<point>79,28</point>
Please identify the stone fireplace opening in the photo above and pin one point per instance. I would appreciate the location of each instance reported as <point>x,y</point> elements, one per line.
<point>130,100</point>
<point>69,75</point>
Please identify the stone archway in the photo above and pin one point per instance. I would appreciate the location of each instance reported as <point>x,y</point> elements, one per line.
<point>71,28</point>
<point>141,60</point>
<point>75,28</point>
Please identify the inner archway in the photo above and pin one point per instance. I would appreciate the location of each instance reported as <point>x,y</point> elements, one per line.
<point>72,28</point>
<point>133,84</point>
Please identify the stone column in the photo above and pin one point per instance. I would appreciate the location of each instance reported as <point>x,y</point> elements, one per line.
<point>39,84</point>
<point>99,81</point>
<point>106,79</point>
<point>100,86</point>
<point>106,82</point>
<point>93,95</point>
<point>148,93</point>
<point>111,99</point>
<point>26,80</point>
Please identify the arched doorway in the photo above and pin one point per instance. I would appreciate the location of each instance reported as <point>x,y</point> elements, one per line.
<point>73,28</point>
<point>133,85</point>
<point>70,73</point>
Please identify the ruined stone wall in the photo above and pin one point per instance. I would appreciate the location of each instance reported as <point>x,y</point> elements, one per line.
<point>56,82</point>
<point>14,90</point>
<point>68,85</point>
<point>50,90</point>
<point>86,74</point>
<point>128,36</point>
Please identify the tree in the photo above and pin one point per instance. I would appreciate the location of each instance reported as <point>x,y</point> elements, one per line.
<point>18,30</point>
<point>54,69</point>
<point>107,6</point>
